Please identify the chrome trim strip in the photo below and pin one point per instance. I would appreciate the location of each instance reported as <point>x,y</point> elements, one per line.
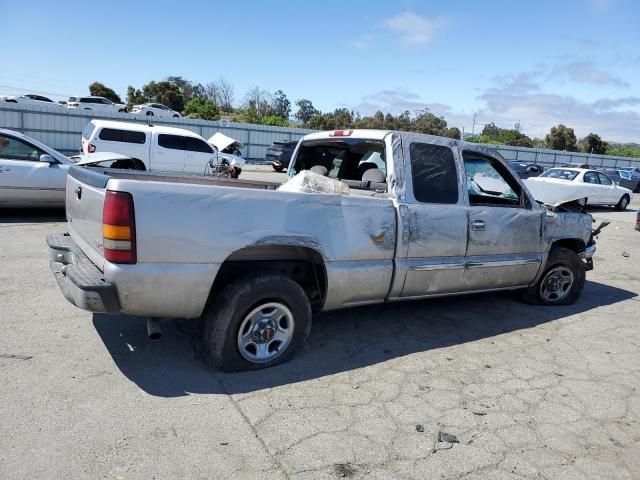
<point>5,187</point>
<point>452,266</point>
<point>436,266</point>
<point>502,263</point>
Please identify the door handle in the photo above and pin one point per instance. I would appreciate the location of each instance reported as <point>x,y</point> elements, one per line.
<point>78,192</point>
<point>478,225</point>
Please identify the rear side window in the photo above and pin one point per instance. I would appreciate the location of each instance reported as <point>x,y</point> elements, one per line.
<point>196,145</point>
<point>125,136</point>
<point>604,180</point>
<point>173,142</point>
<point>434,174</point>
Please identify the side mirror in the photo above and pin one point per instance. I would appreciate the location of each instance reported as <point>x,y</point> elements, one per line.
<point>46,158</point>
<point>532,169</point>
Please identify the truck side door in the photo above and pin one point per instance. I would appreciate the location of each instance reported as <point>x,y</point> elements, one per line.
<point>505,227</point>
<point>197,154</point>
<point>437,221</point>
<point>168,153</point>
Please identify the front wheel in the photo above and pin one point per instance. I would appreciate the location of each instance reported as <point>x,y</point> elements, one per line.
<point>623,203</point>
<point>562,281</point>
<point>277,169</point>
<point>256,322</point>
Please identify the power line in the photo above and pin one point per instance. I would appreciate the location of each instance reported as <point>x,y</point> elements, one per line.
<point>34,91</point>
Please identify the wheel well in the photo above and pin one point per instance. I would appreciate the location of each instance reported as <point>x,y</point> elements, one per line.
<point>574,244</point>
<point>303,265</point>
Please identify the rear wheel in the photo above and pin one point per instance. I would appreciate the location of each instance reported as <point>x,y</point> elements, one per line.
<point>562,281</point>
<point>256,322</point>
<point>277,169</point>
<point>149,114</point>
<point>176,116</point>
<point>623,203</point>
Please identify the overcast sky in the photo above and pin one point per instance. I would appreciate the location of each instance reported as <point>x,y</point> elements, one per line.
<point>538,63</point>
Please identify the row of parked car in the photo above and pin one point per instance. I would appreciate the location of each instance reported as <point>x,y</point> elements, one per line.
<point>91,104</point>
<point>33,174</point>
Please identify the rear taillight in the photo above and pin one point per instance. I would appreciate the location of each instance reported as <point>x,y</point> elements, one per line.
<point>119,228</point>
<point>91,148</point>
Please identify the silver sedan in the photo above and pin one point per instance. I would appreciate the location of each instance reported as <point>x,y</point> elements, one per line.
<point>34,175</point>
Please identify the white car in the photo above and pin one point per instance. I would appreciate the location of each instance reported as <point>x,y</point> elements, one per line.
<point>96,105</point>
<point>557,184</point>
<point>154,147</point>
<point>228,149</point>
<point>155,110</point>
<point>31,100</point>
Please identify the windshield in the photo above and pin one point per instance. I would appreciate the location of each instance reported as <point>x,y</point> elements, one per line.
<point>560,173</point>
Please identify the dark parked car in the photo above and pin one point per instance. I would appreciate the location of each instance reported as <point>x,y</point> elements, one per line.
<point>279,154</point>
<point>638,221</point>
<point>624,178</point>
<point>526,170</point>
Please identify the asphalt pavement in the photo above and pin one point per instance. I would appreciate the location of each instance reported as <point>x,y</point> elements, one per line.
<point>471,387</point>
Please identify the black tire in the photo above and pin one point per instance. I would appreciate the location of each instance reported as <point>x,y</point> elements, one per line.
<point>559,258</point>
<point>637,189</point>
<point>277,169</point>
<point>176,116</point>
<point>149,114</point>
<point>224,316</point>
<point>623,203</point>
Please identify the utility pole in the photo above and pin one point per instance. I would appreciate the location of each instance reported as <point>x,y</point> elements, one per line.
<point>473,128</point>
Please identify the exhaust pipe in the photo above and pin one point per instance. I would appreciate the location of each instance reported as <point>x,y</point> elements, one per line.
<point>154,330</point>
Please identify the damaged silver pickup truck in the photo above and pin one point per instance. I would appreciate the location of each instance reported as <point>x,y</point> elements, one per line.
<point>366,217</point>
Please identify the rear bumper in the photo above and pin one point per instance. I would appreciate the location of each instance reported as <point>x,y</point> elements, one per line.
<point>81,282</point>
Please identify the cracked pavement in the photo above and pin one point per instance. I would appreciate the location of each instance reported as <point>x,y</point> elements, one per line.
<point>529,392</point>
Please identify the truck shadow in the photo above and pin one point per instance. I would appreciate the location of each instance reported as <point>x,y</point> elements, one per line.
<point>339,341</point>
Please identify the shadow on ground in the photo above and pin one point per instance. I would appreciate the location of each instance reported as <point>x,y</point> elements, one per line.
<point>339,341</point>
<point>32,215</point>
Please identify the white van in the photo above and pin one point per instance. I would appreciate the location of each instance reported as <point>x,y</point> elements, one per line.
<point>158,148</point>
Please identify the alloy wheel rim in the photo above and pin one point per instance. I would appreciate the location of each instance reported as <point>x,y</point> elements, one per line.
<point>266,332</point>
<point>556,284</point>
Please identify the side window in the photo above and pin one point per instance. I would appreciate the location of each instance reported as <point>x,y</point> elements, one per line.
<point>174,142</point>
<point>591,177</point>
<point>604,180</point>
<point>489,182</point>
<point>196,145</point>
<point>14,149</point>
<point>624,174</point>
<point>434,174</point>
<point>125,136</point>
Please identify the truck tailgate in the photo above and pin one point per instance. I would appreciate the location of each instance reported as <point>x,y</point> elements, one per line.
<point>84,200</point>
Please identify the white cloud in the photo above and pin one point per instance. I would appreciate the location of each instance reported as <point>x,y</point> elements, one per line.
<point>414,29</point>
<point>519,98</point>
<point>586,71</point>
<point>362,41</point>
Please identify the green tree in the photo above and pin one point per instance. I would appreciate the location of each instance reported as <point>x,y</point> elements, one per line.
<point>166,93</point>
<point>281,105</point>
<point>199,107</point>
<point>134,97</point>
<point>592,143</point>
<point>427,122</point>
<point>562,137</point>
<point>453,132</point>
<point>98,89</point>
<point>306,110</point>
